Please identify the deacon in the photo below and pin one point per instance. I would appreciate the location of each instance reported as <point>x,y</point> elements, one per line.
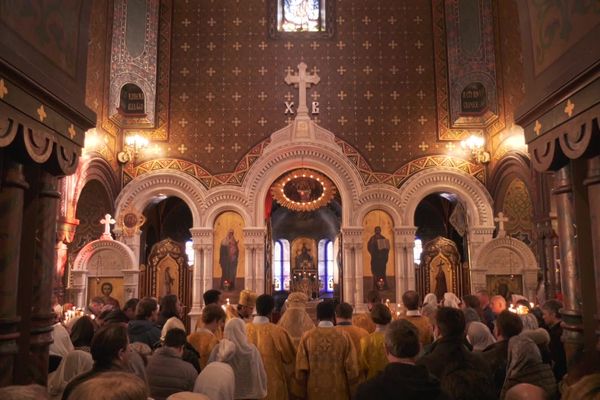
<point>275,347</point>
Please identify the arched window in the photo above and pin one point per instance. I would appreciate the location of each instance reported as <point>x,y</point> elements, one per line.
<point>281,265</point>
<point>189,251</point>
<point>417,250</point>
<point>326,265</point>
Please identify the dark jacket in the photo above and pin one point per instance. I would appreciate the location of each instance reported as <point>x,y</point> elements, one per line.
<point>452,349</point>
<point>400,381</point>
<point>557,352</point>
<point>489,318</point>
<point>168,373</point>
<point>496,356</point>
<point>143,331</point>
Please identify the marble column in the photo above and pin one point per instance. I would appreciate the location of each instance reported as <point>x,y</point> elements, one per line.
<point>11,213</point>
<point>569,269</point>
<point>592,182</point>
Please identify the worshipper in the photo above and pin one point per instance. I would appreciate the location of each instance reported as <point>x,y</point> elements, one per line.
<point>130,307</point>
<point>109,351</point>
<point>540,336</point>
<point>526,391</point>
<point>524,365</point>
<point>82,333</point>
<point>451,300</point>
<point>450,344</point>
<point>187,396</point>
<point>363,320</point>
<point>23,392</point>
<point>552,318</point>
<point>275,347</point>
<point>326,362</point>
<point>401,377</point>
<point>470,315</point>
<point>205,338</point>
<point>479,336</point>
<point>343,314</point>
<point>111,386</point>
<point>95,307</point>
<point>244,359</point>
<point>497,304</point>
<point>167,372</point>
<point>372,348</point>
<point>484,302</point>
<point>143,328</point>
<point>463,381</point>
<point>507,325</point>
<point>245,306</point>
<point>587,388</point>
<point>295,320</point>
<point>61,345</point>
<point>410,299</point>
<point>211,296</point>
<point>430,306</point>
<point>217,381</point>
<point>75,363</point>
<point>171,311</point>
<point>471,301</point>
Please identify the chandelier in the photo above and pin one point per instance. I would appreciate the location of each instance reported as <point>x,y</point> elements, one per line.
<point>303,190</point>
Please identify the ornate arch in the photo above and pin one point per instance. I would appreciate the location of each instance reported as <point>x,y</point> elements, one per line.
<point>142,190</point>
<point>472,192</point>
<point>513,165</point>
<point>379,197</point>
<point>226,199</point>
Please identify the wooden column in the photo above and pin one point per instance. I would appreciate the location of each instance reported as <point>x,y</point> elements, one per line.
<point>592,182</point>
<point>11,212</point>
<point>569,269</point>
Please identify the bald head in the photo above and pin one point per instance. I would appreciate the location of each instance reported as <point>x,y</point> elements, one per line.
<point>497,304</point>
<point>526,391</point>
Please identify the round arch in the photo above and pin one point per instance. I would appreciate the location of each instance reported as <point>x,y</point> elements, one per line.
<point>142,190</point>
<point>379,197</point>
<point>226,199</point>
<point>514,165</point>
<point>473,194</point>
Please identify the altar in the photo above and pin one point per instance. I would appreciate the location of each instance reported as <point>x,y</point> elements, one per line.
<point>305,275</point>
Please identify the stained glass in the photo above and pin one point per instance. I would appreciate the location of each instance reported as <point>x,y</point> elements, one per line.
<point>301,15</point>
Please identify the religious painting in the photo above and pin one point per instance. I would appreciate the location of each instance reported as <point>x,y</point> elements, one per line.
<point>440,277</point>
<point>441,270</point>
<point>167,277</point>
<point>304,276</point>
<point>504,285</point>
<point>378,254</point>
<point>109,288</point>
<point>228,253</point>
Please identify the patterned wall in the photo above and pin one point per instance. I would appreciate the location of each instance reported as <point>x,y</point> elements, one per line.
<point>518,209</point>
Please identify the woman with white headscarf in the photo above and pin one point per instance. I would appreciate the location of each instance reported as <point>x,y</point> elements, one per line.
<point>479,336</point>
<point>245,360</point>
<point>430,306</point>
<point>217,381</point>
<point>74,363</point>
<point>450,300</point>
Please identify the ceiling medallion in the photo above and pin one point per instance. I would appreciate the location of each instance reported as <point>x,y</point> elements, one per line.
<point>303,190</point>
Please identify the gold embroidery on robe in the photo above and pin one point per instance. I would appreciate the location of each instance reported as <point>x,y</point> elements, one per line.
<point>203,342</point>
<point>372,354</point>
<point>364,321</point>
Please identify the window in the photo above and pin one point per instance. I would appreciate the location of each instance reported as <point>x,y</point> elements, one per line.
<point>326,265</point>
<point>417,250</point>
<point>189,251</point>
<point>281,265</point>
<point>301,15</point>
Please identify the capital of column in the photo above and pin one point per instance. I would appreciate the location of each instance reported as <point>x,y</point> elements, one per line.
<point>65,229</point>
<point>202,237</point>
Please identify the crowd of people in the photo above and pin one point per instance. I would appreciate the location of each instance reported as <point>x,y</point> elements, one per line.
<point>454,349</point>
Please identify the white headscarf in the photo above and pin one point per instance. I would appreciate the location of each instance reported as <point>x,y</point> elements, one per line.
<point>217,381</point>
<point>75,363</point>
<point>250,375</point>
<point>62,344</point>
<point>450,300</point>
<point>479,336</point>
<point>430,298</point>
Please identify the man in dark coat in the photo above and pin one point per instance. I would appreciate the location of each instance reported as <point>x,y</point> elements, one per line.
<point>401,377</point>
<point>551,315</point>
<point>143,328</point>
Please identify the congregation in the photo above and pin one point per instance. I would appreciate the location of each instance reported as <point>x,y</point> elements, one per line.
<point>455,349</point>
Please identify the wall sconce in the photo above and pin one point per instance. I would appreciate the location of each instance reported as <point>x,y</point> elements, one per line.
<point>133,145</point>
<point>474,144</point>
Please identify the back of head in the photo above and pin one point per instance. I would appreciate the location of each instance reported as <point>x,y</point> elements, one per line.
<point>211,296</point>
<point>450,321</point>
<point>326,311</point>
<point>82,332</point>
<point>373,297</point>
<point>131,304</point>
<point>23,392</point>
<point>213,312</point>
<point>344,311</point>
<point>175,338</point>
<point>168,306</point>
<point>500,300</point>
<point>553,306</point>
<point>471,301</point>
<point>380,314</point>
<point>508,324</point>
<point>402,339</point>
<point>145,308</point>
<point>526,391</point>
<point>111,386</point>
<point>410,300</point>
<point>265,305</point>
<point>463,382</point>
<point>108,342</point>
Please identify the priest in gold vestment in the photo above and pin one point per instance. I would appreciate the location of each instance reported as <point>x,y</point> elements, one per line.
<point>207,335</point>
<point>343,314</point>
<point>295,320</point>
<point>363,320</point>
<point>326,362</point>
<point>275,347</point>
<point>373,358</point>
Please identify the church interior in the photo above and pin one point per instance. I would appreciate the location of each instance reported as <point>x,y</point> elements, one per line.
<point>159,147</point>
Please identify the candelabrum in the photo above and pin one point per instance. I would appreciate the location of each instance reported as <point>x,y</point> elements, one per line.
<point>475,144</point>
<point>133,145</point>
